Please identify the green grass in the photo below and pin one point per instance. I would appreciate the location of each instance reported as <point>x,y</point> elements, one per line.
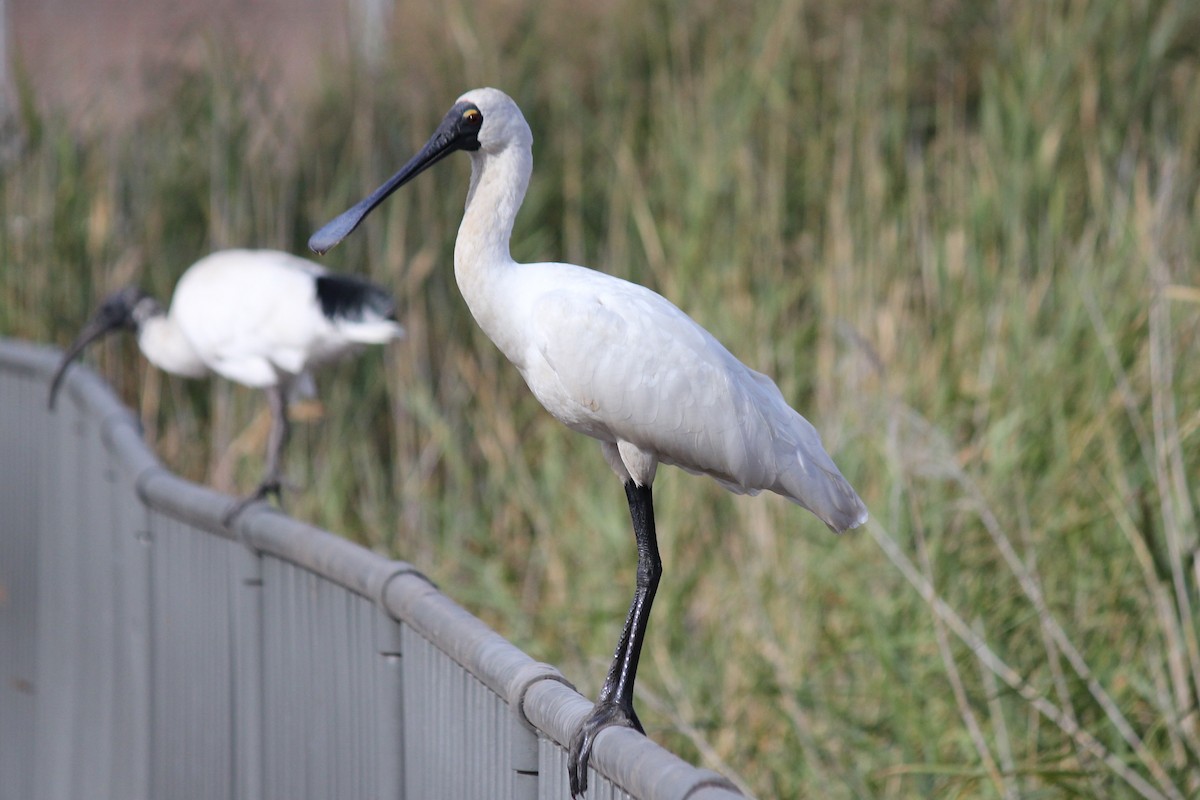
<point>963,237</point>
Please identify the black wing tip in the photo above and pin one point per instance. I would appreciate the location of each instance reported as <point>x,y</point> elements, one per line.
<point>349,297</point>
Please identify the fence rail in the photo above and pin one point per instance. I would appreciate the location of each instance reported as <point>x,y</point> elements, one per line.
<point>148,652</point>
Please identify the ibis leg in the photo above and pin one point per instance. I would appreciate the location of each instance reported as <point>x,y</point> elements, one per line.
<point>615,703</point>
<point>277,440</point>
<point>281,430</point>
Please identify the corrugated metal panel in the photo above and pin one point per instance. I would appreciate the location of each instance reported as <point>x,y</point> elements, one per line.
<point>132,683</point>
<point>22,441</point>
<point>79,572</point>
<point>149,652</point>
<point>456,729</point>
<point>323,680</point>
<point>192,676</point>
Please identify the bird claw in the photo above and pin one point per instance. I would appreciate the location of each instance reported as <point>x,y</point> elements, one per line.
<point>268,487</point>
<point>603,716</point>
<point>273,486</point>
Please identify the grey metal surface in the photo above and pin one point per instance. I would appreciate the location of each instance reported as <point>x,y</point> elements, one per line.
<point>148,652</point>
<point>22,448</point>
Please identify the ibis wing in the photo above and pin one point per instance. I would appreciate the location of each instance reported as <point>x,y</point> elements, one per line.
<point>251,314</point>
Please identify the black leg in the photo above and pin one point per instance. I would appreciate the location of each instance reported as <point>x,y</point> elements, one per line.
<point>615,704</point>
<point>281,429</point>
<point>264,490</point>
<point>272,482</point>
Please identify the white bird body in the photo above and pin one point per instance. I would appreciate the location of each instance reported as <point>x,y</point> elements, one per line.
<point>622,364</point>
<point>254,317</point>
<point>261,318</point>
<point>618,362</point>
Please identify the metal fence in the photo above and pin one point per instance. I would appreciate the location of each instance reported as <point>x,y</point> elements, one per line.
<point>148,652</point>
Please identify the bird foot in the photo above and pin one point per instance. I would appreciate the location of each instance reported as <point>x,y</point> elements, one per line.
<point>265,489</point>
<point>604,715</point>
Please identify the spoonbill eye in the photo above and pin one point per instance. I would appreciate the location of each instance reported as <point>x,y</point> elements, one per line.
<point>472,117</point>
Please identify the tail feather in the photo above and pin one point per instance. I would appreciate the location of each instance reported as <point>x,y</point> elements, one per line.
<point>809,478</point>
<point>345,297</point>
<point>803,470</point>
<point>833,500</point>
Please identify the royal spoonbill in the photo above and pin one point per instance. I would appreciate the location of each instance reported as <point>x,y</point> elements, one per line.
<point>617,362</point>
<point>261,318</point>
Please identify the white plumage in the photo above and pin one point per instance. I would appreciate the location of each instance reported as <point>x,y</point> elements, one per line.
<point>254,317</point>
<point>261,318</point>
<point>617,362</point>
<point>620,363</point>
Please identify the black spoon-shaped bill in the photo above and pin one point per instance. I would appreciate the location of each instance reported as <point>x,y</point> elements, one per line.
<point>458,130</point>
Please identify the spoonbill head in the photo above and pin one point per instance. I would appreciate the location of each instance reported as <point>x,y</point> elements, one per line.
<point>618,362</point>
<point>484,120</point>
<point>260,318</point>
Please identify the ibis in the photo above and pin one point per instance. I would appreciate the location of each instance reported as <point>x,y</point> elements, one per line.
<point>619,363</point>
<point>261,318</point>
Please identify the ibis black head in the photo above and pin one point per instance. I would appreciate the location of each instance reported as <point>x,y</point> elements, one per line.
<point>125,309</point>
<point>459,130</point>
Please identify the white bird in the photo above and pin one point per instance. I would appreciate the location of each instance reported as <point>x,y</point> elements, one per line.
<point>617,362</point>
<point>261,318</point>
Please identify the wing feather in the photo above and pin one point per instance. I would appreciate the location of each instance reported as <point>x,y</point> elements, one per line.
<point>636,369</point>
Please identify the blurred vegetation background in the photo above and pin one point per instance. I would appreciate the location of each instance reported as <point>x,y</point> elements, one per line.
<point>962,236</point>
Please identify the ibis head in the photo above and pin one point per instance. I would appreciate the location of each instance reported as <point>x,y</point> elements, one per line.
<point>123,310</point>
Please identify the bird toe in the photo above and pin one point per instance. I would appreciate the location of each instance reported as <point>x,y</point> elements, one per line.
<point>603,716</point>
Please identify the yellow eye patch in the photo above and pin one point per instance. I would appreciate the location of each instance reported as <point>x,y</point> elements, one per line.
<point>472,116</point>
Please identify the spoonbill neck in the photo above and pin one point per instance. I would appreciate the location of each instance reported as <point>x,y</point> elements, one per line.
<point>498,183</point>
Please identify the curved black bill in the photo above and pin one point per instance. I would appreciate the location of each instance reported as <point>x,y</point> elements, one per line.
<point>96,328</point>
<point>448,137</point>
